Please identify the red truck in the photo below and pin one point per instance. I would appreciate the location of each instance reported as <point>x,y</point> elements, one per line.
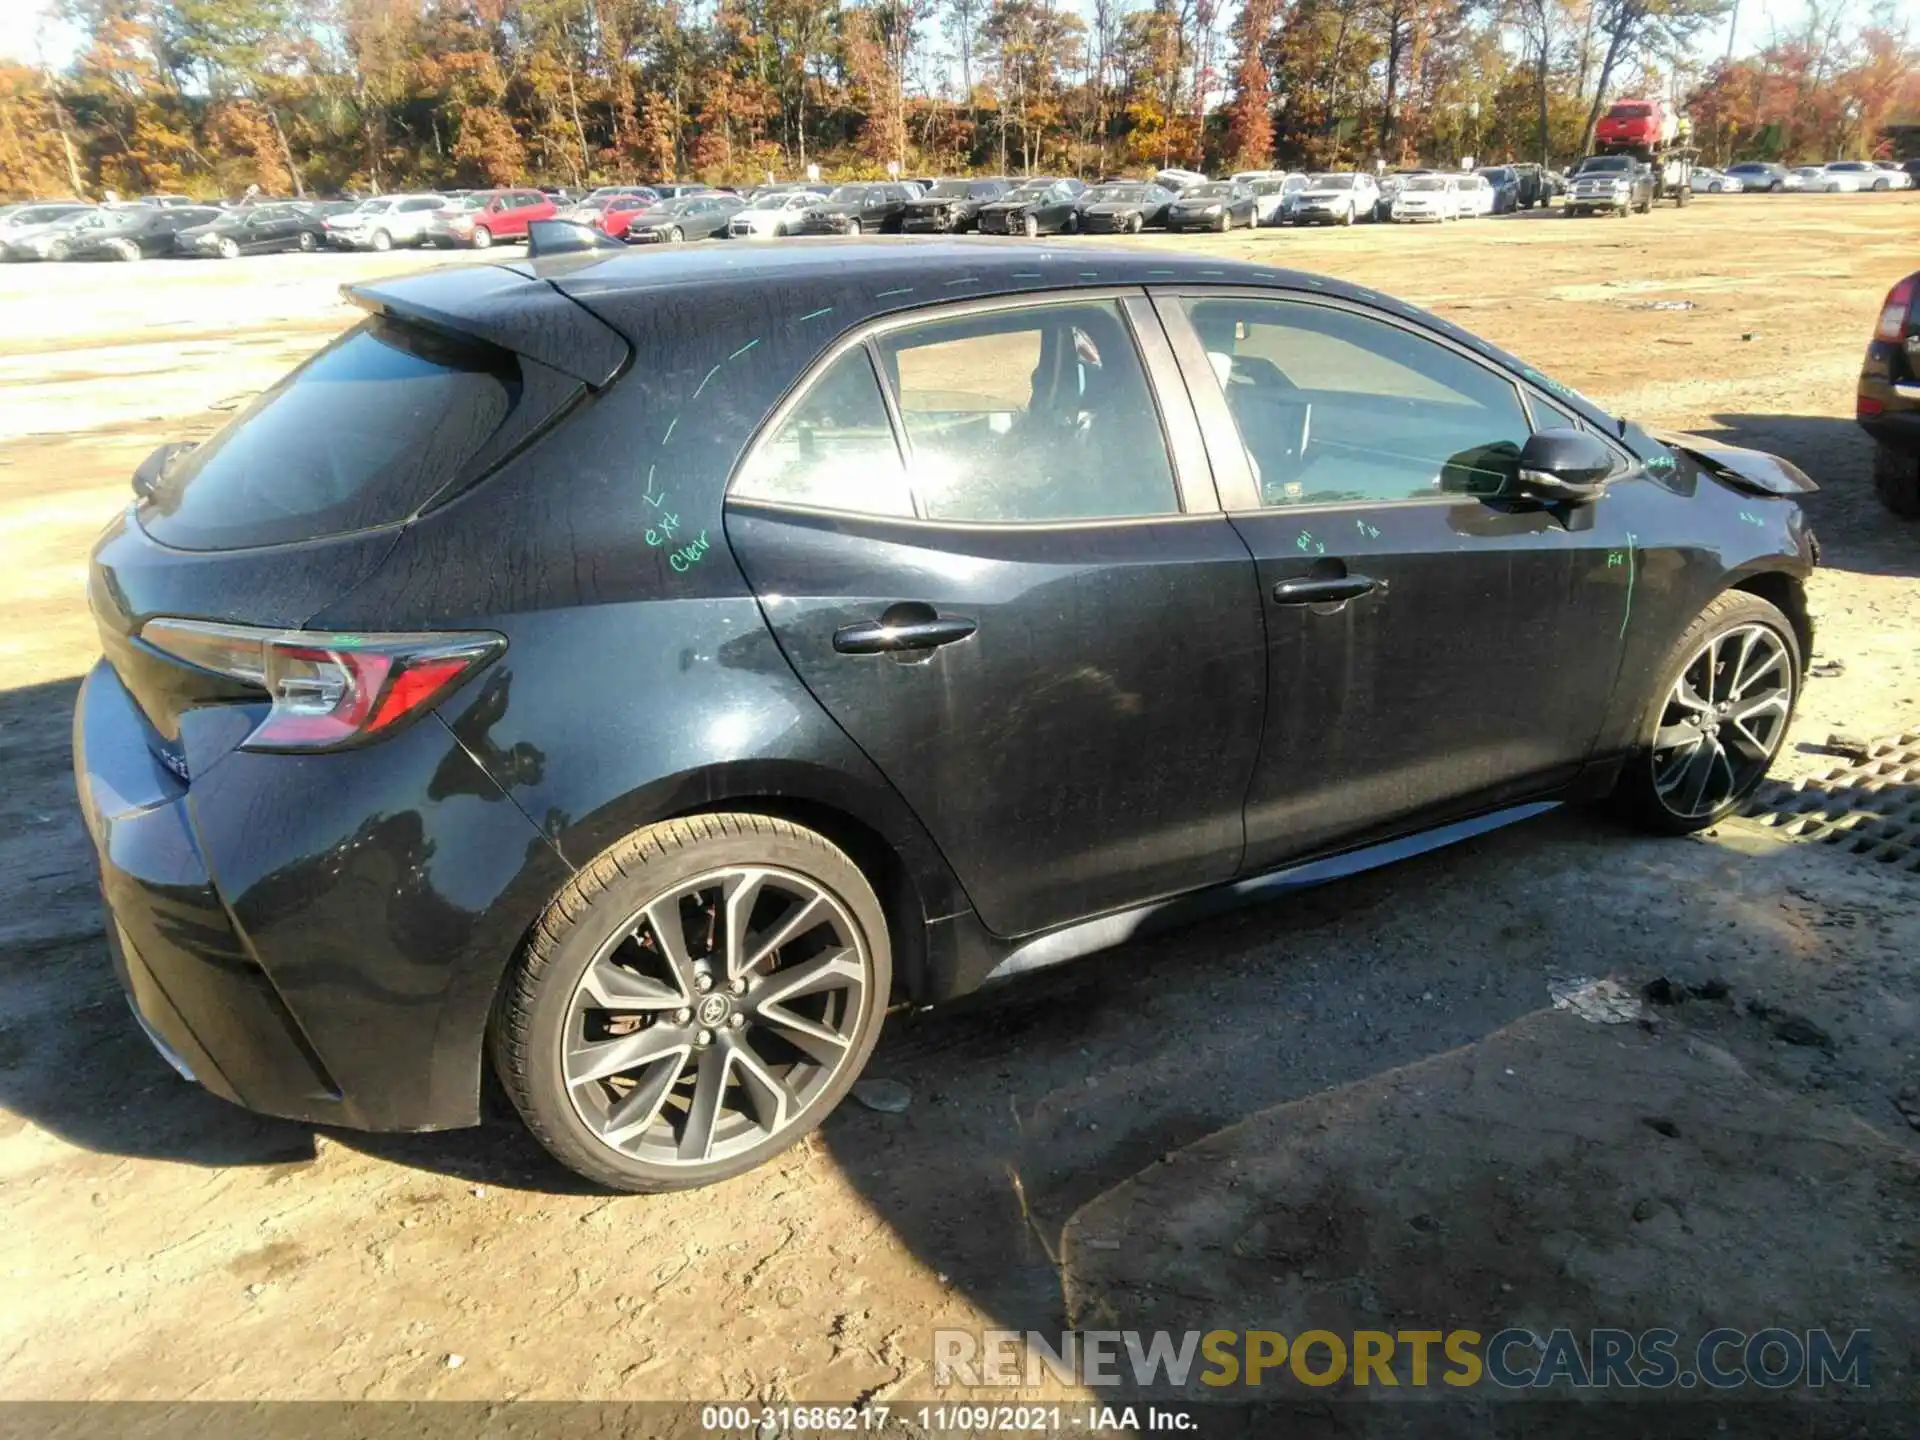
<point>1637,124</point>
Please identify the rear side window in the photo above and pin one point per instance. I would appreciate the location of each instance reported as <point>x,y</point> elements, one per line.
<point>363,434</point>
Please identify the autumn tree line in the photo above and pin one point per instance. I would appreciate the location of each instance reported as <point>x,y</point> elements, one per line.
<point>209,97</point>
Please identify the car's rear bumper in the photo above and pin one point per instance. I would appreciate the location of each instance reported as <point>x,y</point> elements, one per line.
<point>1888,400</point>
<point>276,924</point>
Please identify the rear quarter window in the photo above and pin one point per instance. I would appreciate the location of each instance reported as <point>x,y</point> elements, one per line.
<point>362,435</point>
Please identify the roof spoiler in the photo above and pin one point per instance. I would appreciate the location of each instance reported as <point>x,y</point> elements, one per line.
<point>566,237</point>
<point>504,307</point>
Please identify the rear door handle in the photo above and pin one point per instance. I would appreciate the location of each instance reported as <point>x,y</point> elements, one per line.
<point>1309,590</point>
<point>880,638</point>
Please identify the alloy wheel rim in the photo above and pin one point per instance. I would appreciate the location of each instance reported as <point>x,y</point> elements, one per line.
<point>715,1016</point>
<point>1723,721</point>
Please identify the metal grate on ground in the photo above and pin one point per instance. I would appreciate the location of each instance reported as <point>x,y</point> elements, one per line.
<point>1870,809</point>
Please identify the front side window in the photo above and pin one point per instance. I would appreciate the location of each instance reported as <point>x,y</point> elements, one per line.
<point>1037,414</point>
<point>835,449</point>
<point>1334,406</point>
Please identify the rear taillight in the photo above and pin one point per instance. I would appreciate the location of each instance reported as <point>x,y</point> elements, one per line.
<point>328,691</point>
<point>1894,313</point>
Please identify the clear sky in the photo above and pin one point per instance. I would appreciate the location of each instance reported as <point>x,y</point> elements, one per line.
<point>28,35</point>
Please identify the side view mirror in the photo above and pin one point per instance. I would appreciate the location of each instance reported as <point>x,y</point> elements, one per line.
<point>1568,466</point>
<point>152,470</point>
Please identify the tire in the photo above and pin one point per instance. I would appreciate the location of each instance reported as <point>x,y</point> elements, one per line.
<point>1349,218</point>
<point>1896,480</point>
<point>381,241</point>
<point>853,227</point>
<point>482,237</point>
<point>1030,227</point>
<point>546,1011</point>
<point>1776,187</point>
<point>676,235</point>
<point>1647,791</point>
<point>1136,222</point>
<point>1880,185</point>
<point>1224,223</point>
<point>59,250</point>
<point>306,242</point>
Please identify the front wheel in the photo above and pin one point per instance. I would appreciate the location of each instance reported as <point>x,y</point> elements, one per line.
<point>1135,223</point>
<point>482,237</point>
<point>1728,692</point>
<point>1349,217</point>
<point>306,242</point>
<point>695,1001</point>
<point>676,235</point>
<point>382,241</point>
<point>1030,227</point>
<point>229,248</point>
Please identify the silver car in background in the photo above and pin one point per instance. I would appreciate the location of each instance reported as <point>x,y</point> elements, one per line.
<point>384,222</point>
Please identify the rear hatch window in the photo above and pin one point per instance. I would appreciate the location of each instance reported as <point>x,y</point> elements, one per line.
<point>362,435</point>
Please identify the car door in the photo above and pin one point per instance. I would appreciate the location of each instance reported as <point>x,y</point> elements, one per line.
<point>989,548</point>
<point>1430,652</point>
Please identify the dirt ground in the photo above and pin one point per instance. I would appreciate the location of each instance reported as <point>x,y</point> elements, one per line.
<point>1356,1107</point>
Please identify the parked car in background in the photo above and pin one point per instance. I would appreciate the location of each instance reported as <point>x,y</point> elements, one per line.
<point>1390,185</point>
<point>869,208</point>
<point>1887,405</point>
<point>1764,175</point>
<point>1896,178</point>
<point>1707,181</point>
<point>256,231</point>
<point>384,222</point>
<point>1270,196</point>
<point>1034,207</point>
<point>1176,179</point>
<point>691,217</point>
<point>951,207</point>
<point>139,232</point>
<point>1124,206</point>
<point>1433,196</point>
<point>1505,182</point>
<point>1477,196</point>
<point>17,220</point>
<point>1824,180</point>
<point>1911,169</point>
<point>1337,199</point>
<point>1610,185</point>
<point>1536,184</point>
<point>1864,174</point>
<point>679,189</point>
<point>488,217</point>
<point>54,239</point>
<point>1217,205</point>
<point>953,666</point>
<point>769,216</point>
<point>167,201</point>
<point>609,210</point>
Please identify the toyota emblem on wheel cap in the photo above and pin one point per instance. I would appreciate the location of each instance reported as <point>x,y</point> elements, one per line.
<point>713,1010</point>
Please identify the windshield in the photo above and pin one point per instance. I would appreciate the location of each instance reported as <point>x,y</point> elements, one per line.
<point>671,207</point>
<point>1033,190</point>
<point>1605,165</point>
<point>1120,192</point>
<point>798,202</point>
<point>1269,187</point>
<point>1332,182</point>
<point>1498,176</point>
<point>949,190</point>
<point>465,202</point>
<point>1634,111</point>
<point>1426,182</point>
<point>374,207</point>
<point>848,195</point>
<point>1216,191</point>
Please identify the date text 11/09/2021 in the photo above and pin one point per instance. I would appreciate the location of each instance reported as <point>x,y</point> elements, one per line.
<point>961,1419</point>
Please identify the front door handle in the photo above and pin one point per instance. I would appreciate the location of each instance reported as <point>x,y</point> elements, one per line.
<point>1312,590</point>
<point>883,638</point>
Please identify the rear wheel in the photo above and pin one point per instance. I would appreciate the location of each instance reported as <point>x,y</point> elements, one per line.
<point>1728,692</point>
<point>699,998</point>
<point>306,241</point>
<point>1896,480</point>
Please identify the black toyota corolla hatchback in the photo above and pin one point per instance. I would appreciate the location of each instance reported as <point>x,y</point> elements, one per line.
<point>637,673</point>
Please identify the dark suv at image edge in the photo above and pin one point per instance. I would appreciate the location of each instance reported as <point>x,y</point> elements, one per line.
<point>1888,403</point>
<point>636,672</point>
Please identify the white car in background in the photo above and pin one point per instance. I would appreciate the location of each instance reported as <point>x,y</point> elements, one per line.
<point>384,222</point>
<point>1428,197</point>
<point>1476,196</point>
<point>1336,198</point>
<point>1819,180</point>
<point>1714,182</point>
<point>1271,194</point>
<point>772,215</point>
<point>1892,175</point>
<point>1866,175</point>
